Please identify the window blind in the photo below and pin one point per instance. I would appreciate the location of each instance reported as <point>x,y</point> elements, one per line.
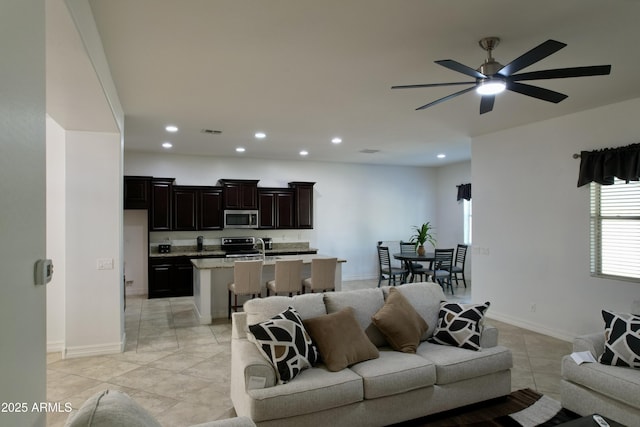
<point>615,230</point>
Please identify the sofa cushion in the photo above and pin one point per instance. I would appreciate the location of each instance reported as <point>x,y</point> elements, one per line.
<point>425,298</point>
<point>284,341</point>
<point>622,339</point>
<point>111,408</point>
<point>460,325</point>
<point>400,324</point>
<point>340,339</point>
<point>261,309</point>
<point>616,382</point>
<point>314,390</point>
<point>394,373</point>
<point>455,364</point>
<point>366,302</point>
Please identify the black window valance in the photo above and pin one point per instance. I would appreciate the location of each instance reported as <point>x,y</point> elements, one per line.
<point>464,191</point>
<point>602,166</point>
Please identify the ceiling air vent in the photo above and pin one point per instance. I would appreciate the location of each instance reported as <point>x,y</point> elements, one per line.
<point>211,131</point>
<point>369,151</point>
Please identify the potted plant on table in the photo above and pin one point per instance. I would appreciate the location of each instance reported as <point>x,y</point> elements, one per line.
<point>422,235</point>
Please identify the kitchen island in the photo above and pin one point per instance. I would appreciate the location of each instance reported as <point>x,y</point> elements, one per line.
<point>211,277</point>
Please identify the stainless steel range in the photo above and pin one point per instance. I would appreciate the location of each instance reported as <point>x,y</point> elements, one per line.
<point>238,247</point>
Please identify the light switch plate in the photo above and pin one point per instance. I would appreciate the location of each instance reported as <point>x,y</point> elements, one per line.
<point>105,264</point>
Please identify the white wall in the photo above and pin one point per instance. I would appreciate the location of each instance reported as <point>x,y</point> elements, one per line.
<point>531,223</point>
<point>56,234</point>
<point>354,205</point>
<point>22,210</point>
<point>94,228</point>
<point>136,251</point>
<point>449,211</point>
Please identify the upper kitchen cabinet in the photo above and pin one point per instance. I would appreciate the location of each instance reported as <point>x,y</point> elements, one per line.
<point>161,204</point>
<point>240,193</point>
<point>136,192</point>
<point>303,203</point>
<point>185,208</point>
<point>210,208</point>
<point>197,208</point>
<point>276,208</point>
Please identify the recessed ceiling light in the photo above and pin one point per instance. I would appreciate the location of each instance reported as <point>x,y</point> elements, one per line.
<point>260,135</point>
<point>171,128</point>
<point>304,153</point>
<point>167,145</point>
<point>336,140</point>
<point>441,156</point>
<point>240,149</point>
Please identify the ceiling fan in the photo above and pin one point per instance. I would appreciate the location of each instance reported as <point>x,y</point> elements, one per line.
<point>493,77</point>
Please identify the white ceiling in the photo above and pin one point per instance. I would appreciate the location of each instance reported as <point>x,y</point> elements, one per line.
<point>304,71</point>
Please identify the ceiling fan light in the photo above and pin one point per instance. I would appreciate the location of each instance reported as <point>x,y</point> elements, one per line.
<point>491,87</point>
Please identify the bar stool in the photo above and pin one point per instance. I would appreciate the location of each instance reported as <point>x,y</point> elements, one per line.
<point>247,280</point>
<point>323,275</point>
<point>287,277</point>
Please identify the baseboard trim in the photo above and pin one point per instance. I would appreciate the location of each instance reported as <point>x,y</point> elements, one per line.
<point>534,327</point>
<point>93,350</point>
<point>55,347</point>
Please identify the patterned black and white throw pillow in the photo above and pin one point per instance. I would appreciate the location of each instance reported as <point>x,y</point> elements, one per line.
<point>622,339</point>
<point>284,341</point>
<point>460,325</point>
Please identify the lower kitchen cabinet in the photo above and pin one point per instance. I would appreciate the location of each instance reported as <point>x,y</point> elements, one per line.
<point>170,277</point>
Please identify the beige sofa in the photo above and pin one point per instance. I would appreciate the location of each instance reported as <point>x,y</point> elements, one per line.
<point>113,408</point>
<point>394,387</point>
<point>612,391</point>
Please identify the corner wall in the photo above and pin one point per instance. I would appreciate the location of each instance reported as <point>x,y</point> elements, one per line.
<point>531,223</point>
<point>94,229</point>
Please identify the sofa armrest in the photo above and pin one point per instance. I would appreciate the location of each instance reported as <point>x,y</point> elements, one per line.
<point>229,422</point>
<point>239,326</point>
<point>246,357</point>
<point>590,342</point>
<point>489,337</point>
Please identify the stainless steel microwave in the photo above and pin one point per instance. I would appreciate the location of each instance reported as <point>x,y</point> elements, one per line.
<point>240,219</point>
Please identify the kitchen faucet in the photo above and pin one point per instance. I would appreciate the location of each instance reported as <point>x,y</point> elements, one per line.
<point>264,251</point>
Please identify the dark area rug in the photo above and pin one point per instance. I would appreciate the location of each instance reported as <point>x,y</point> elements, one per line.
<point>522,408</point>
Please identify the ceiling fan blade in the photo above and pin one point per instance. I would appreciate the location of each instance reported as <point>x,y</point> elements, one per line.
<point>562,73</point>
<point>446,98</point>
<point>536,92</point>
<point>432,85</point>
<point>461,68</point>
<point>534,55</point>
<point>486,103</point>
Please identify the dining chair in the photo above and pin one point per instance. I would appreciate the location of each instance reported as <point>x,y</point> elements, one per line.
<point>458,266</point>
<point>247,280</point>
<point>287,278</point>
<point>323,275</point>
<point>384,264</point>
<point>441,270</point>
<point>415,268</point>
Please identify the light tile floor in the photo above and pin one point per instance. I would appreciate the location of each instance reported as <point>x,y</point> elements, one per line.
<point>179,370</point>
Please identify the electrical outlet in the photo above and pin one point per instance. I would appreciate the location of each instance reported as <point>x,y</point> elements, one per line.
<point>532,308</point>
<point>104,264</point>
<point>128,283</point>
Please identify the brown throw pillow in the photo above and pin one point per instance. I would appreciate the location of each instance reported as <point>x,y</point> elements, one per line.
<point>340,340</point>
<point>400,323</point>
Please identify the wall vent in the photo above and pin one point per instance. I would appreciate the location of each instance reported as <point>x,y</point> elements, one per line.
<point>369,151</point>
<point>211,131</point>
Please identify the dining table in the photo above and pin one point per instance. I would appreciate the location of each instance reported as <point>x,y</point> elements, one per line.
<point>408,258</point>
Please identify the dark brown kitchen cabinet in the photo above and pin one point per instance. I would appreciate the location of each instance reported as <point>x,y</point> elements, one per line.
<point>210,208</point>
<point>170,277</point>
<point>303,203</point>
<point>276,208</point>
<point>185,208</point>
<point>240,193</point>
<point>161,203</point>
<point>136,192</point>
